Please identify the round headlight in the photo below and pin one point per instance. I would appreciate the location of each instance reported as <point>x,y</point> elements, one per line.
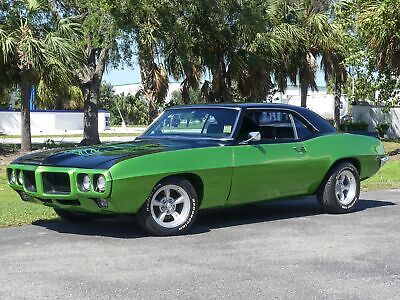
<point>13,177</point>
<point>86,182</point>
<point>20,177</point>
<point>101,183</point>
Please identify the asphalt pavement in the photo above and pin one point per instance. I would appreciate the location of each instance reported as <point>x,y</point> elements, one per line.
<point>276,250</point>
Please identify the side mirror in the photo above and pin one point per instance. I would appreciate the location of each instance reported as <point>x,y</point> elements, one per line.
<point>254,136</point>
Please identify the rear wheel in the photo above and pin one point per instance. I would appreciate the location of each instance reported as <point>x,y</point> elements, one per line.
<point>341,191</point>
<point>171,208</point>
<point>74,217</point>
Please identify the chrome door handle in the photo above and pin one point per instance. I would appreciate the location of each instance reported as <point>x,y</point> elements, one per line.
<point>301,149</point>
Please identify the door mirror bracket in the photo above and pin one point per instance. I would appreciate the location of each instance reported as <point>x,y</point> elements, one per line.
<point>254,136</point>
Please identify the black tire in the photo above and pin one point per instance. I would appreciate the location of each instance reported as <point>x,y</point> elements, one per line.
<point>147,215</point>
<point>74,217</point>
<point>328,198</point>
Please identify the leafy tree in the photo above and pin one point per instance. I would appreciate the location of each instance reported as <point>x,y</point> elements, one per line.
<point>133,109</point>
<point>61,97</point>
<point>103,44</point>
<point>32,50</point>
<point>367,73</point>
<point>178,98</point>
<point>5,96</point>
<point>378,23</point>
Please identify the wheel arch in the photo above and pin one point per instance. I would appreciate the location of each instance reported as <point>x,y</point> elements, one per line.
<point>194,179</point>
<point>354,161</point>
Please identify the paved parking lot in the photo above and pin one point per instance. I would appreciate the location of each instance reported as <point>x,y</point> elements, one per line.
<point>284,250</point>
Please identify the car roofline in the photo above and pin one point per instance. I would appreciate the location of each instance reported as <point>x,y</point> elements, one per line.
<point>318,123</point>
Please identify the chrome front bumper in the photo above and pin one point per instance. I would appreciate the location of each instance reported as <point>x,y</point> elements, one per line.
<point>383,159</point>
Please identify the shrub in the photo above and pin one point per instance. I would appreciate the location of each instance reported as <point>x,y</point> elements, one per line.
<point>353,126</point>
<point>382,129</point>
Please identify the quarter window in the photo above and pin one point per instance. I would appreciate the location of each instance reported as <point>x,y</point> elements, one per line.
<point>272,124</point>
<point>303,131</point>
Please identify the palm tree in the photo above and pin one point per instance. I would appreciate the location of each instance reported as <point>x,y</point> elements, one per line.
<point>31,53</point>
<point>317,32</point>
<point>378,23</point>
<point>334,68</point>
<point>144,21</point>
<point>310,37</point>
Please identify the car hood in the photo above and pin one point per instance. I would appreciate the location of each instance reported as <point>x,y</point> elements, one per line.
<point>104,156</point>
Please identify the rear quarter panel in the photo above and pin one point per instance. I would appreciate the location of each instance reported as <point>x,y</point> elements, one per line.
<point>324,151</point>
<point>134,179</point>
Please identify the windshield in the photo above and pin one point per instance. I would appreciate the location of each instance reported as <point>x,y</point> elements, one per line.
<point>194,122</point>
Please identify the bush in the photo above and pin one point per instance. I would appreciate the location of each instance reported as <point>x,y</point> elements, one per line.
<point>353,126</point>
<point>382,129</point>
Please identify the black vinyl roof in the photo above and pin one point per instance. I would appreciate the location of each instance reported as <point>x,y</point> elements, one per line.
<point>322,125</point>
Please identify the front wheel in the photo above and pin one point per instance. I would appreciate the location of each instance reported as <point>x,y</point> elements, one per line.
<point>340,192</point>
<point>74,217</point>
<point>170,209</point>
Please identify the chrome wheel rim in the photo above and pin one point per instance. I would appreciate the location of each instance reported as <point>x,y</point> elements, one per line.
<point>346,187</point>
<point>170,206</point>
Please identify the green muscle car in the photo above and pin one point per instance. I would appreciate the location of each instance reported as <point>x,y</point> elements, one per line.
<point>202,156</point>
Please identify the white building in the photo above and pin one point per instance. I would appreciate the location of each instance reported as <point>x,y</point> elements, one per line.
<point>50,122</point>
<point>133,88</point>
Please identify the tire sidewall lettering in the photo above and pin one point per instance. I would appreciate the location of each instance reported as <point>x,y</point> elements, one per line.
<point>189,219</point>
<point>148,200</point>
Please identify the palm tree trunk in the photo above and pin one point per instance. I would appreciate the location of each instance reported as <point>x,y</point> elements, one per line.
<point>26,144</point>
<point>91,130</point>
<point>304,91</point>
<point>219,86</point>
<point>145,63</point>
<point>185,93</point>
<point>336,113</point>
<point>90,84</point>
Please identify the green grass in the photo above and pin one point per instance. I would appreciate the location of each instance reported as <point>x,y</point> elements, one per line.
<point>13,211</point>
<point>388,177</point>
<point>391,145</point>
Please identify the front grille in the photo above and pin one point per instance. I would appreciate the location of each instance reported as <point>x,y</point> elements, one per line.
<point>29,181</point>
<point>56,183</point>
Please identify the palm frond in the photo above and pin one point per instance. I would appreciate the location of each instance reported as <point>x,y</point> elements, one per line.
<point>7,44</point>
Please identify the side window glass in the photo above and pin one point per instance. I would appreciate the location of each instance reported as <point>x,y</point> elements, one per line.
<point>303,131</point>
<point>272,124</point>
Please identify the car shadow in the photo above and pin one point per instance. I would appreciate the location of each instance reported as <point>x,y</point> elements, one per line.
<point>127,228</point>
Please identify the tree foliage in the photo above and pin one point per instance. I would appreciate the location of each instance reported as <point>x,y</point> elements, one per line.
<point>371,55</point>
<point>132,109</point>
<point>35,47</point>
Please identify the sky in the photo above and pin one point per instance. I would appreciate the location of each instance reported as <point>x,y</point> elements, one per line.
<point>132,75</point>
<point>122,76</point>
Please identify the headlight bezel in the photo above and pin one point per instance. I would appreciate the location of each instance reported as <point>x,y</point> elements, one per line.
<point>20,177</point>
<point>12,178</point>
<point>88,182</point>
<point>84,182</point>
<point>100,183</point>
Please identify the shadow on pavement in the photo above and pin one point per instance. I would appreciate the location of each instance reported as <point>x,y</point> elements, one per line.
<point>127,227</point>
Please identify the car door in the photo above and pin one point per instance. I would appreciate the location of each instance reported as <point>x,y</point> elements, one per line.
<point>273,167</point>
